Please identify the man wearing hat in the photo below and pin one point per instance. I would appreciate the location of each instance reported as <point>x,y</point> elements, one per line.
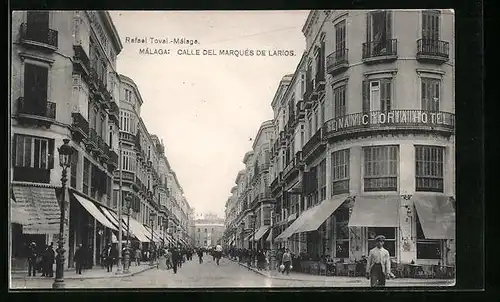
<point>378,265</point>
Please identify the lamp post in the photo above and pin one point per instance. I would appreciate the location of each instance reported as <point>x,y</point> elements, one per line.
<point>152,217</point>
<point>128,204</point>
<point>65,153</point>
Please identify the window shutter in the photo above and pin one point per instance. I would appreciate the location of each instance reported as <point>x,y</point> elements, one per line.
<point>388,24</point>
<point>365,96</point>
<point>51,154</point>
<point>14,150</point>
<point>368,27</point>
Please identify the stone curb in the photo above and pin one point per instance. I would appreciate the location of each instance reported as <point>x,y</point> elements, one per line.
<point>83,277</point>
<point>288,279</point>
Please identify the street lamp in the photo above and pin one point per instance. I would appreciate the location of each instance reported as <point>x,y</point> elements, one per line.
<point>128,204</point>
<point>65,153</point>
<point>152,217</point>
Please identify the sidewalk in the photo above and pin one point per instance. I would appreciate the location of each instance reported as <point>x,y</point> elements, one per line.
<point>297,276</point>
<point>95,273</point>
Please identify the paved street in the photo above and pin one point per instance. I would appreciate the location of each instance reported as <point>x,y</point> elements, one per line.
<point>227,274</point>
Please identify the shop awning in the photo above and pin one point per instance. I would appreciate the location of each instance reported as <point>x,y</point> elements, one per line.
<point>302,219</point>
<point>249,237</point>
<point>156,238</point>
<point>261,232</point>
<point>138,230</point>
<point>17,213</point>
<point>291,217</point>
<point>436,215</point>
<point>113,218</point>
<point>94,211</point>
<point>325,210</point>
<point>42,207</point>
<point>375,211</point>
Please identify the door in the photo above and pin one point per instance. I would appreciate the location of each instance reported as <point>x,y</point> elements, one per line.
<point>35,88</point>
<point>375,94</point>
<point>38,25</point>
<point>340,35</point>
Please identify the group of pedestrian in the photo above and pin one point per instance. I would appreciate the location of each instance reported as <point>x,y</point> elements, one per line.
<point>41,261</point>
<point>176,256</point>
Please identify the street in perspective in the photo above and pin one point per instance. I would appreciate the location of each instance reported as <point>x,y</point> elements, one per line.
<point>220,150</point>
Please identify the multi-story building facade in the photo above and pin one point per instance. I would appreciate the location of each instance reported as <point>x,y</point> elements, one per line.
<point>208,231</point>
<point>372,131</point>
<point>65,86</point>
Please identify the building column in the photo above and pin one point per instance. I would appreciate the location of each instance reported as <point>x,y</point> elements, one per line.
<point>406,234</point>
<point>328,174</point>
<point>94,244</point>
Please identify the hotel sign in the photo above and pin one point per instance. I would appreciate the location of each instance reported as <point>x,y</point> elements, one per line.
<point>390,119</point>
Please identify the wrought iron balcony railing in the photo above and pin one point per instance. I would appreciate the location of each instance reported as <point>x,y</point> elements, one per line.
<point>81,58</point>
<point>313,142</point>
<point>127,137</point>
<point>113,158</point>
<point>393,120</point>
<point>36,108</point>
<point>80,126</point>
<point>337,61</point>
<point>388,49</point>
<point>46,36</point>
<point>433,49</point>
<point>93,139</point>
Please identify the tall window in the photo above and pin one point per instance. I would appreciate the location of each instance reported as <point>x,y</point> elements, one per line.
<point>34,152</point>
<point>339,97</point>
<point>110,136</point>
<point>302,138</point>
<point>429,168</point>
<point>74,170</point>
<point>322,180</point>
<point>35,88</point>
<point>86,175</point>
<point>309,128</point>
<point>322,113</point>
<point>340,172</point>
<point>430,94</point>
<point>380,168</point>
<point>114,203</point>
<point>430,25</point>
<point>315,121</point>
<point>103,127</point>
<point>390,239</point>
<point>379,31</point>
<point>126,122</point>
<point>340,40</point>
<point>109,189</point>
<point>427,248</point>
<point>342,232</point>
<point>377,95</point>
<point>302,84</point>
<point>128,160</point>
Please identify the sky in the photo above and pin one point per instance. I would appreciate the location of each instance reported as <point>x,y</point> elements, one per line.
<point>207,108</point>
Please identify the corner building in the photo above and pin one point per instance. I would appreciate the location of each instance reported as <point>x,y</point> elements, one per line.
<point>366,125</point>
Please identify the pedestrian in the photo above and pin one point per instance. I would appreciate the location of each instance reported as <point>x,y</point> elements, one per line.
<point>287,258</point>
<point>378,266</point>
<point>109,256</point>
<point>168,259</point>
<point>137,256</point>
<point>218,253</point>
<point>200,255</point>
<point>51,256</point>
<point>79,259</point>
<point>175,259</point>
<point>32,256</point>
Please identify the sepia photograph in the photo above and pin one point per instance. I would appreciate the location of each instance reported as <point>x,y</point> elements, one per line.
<point>232,149</point>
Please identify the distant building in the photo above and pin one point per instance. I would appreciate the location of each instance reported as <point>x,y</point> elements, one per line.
<point>209,229</point>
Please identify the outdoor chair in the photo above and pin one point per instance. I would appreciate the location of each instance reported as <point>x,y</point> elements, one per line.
<point>322,269</point>
<point>339,268</point>
<point>351,269</point>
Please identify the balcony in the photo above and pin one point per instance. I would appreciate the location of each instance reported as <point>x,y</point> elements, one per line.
<point>93,78</point>
<point>92,142</point>
<point>308,95</point>
<point>301,110</point>
<point>79,127</point>
<point>282,138</point>
<point>277,146</point>
<point>264,167</point>
<point>128,177</point>
<point>319,83</point>
<point>293,166</point>
<point>292,122</point>
<point>436,51</point>
<point>380,51</point>
<point>314,144</point>
<point>81,61</point>
<point>113,159</point>
<point>40,112</point>
<point>337,62</point>
<point>275,184</point>
<point>42,38</point>
<point>127,137</point>
<point>396,121</point>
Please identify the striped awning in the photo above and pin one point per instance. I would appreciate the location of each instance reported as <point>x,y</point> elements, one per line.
<point>17,214</point>
<point>42,207</point>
